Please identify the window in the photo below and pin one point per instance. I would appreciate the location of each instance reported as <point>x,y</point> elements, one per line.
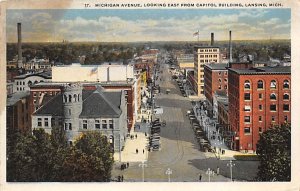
<point>111,124</point>
<point>260,129</point>
<point>285,118</point>
<point>259,118</point>
<point>69,111</point>
<point>70,126</point>
<point>260,107</point>
<point>273,96</point>
<point>273,107</point>
<point>247,130</point>
<point>220,87</point>
<point>260,96</point>
<point>84,124</point>
<point>286,84</point>
<point>225,87</point>
<point>247,119</point>
<point>273,118</point>
<point>273,84</point>
<point>247,96</point>
<point>97,124</point>
<point>104,124</point>
<point>286,107</point>
<point>247,84</point>
<point>219,73</point>
<point>220,80</point>
<point>225,73</point>
<point>260,84</point>
<point>46,122</point>
<point>225,79</point>
<point>247,108</point>
<point>17,82</point>
<point>39,122</point>
<point>66,126</point>
<point>286,96</point>
<point>70,98</point>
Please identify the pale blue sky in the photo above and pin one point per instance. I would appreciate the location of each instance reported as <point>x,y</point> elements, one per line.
<point>148,24</point>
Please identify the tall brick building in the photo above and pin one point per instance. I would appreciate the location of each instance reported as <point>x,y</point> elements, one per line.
<point>258,99</point>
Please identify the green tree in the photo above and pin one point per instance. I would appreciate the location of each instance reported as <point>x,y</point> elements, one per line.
<point>90,159</point>
<point>274,152</point>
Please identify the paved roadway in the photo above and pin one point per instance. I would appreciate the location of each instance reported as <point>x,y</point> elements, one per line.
<point>180,151</point>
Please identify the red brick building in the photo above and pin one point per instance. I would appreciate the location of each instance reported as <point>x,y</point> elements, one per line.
<point>258,98</point>
<point>215,79</point>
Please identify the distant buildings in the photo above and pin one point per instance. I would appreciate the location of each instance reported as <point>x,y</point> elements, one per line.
<point>203,55</point>
<point>258,99</point>
<point>78,111</point>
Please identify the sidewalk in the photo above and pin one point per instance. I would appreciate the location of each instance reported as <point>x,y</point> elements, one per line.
<point>210,129</point>
<point>131,145</point>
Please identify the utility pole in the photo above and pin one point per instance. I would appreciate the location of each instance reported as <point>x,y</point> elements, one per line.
<point>230,164</point>
<point>169,172</point>
<point>210,172</point>
<point>143,165</point>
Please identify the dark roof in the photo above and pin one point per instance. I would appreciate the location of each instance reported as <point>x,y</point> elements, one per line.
<point>263,70</point>
<point>216,66</point>
<point>102,104</point>
<point>53,107</point>
<point>95,104</point>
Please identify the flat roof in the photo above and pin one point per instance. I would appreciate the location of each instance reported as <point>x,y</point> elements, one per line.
<point>205,46</point>
<point>263,70</point>
<point>216,66</point>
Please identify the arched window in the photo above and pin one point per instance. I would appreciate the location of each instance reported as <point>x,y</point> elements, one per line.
<point>70,98</point>
<point>273,84</point>
<point>273,96</point>
<point>41,80</point>
<point>78,97</point>
<point>260,84</point>
<point>35,82</point>
<point>286,84</point>
<point>247,84</point>
<point>75,97</point>
<point>65,99</point>
<point>29,83</point>
<point>286,96</point>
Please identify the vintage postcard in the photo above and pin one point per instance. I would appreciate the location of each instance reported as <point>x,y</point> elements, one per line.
<point>149,95</point>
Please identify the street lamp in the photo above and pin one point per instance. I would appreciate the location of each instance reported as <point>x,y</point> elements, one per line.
<point>210,172</point>
<point>169,172</point>
<point>230,164</point>
<point>143,165</point>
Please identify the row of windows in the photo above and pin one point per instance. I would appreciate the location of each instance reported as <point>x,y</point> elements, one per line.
<point>207,61</point>
<point>273,96</point>
<point>273,84</point>
<point>20,89</point>
<point>209,56</point>
<point>105,124</point>
<point>247,130</point>
<point>247,119</point>
<point>29,82</point>
<point>286,107</point>
<point>208,50</point>
<point>76,97</point>
<point>225,73</point>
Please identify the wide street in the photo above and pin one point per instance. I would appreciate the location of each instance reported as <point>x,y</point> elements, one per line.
<point>179,148</point>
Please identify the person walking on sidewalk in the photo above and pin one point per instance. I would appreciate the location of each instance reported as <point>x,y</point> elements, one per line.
<point>143,151</point>
<point>136,151</point>
<point>200,177</point>
<point>218,170</point>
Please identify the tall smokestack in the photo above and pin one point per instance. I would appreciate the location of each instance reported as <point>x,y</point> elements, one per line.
<point>212,39</point>
<point>230,47</point>
<point>20,58</point>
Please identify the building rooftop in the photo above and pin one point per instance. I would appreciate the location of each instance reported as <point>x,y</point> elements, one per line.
<point>263,70</point>
<point>96,103</point>
<point>46,75</point>
<point>205,46</point>
<point>15,97</point>
<point>216,66</point>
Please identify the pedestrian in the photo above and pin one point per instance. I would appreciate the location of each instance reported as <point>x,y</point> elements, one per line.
<point>122,178</point>
<point>200,177</point>
<point>127,164</point>
<point>145,134</point>
<point>136,136</point>
<point>218,170</point>
<point>136,151</point>
<point>143,151</point>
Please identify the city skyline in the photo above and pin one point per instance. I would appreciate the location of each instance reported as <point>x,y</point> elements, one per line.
<point>137,25</point>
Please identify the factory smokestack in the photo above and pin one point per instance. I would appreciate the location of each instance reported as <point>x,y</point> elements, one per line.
<point>20,58</point>
<point>230,47</point>
<point>212,39</point>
